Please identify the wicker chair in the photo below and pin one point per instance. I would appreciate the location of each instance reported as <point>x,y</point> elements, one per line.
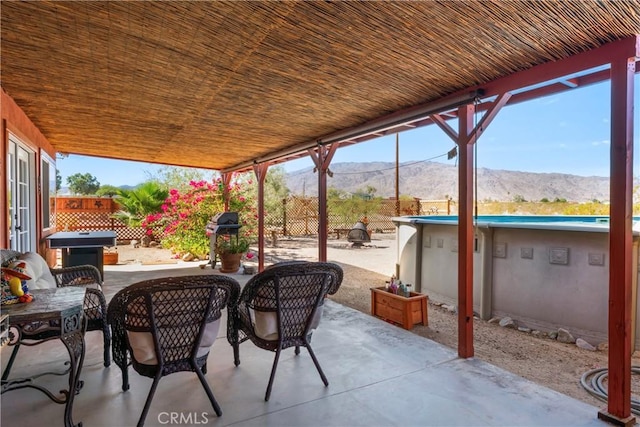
<point>95,304</point>
<point>168,325</point>
<point>280,307</point>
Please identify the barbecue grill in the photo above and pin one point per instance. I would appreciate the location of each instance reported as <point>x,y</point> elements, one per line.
<point>358,234</point>
<point>222,224</point>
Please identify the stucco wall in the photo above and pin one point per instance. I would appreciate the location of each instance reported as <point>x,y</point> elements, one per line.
<point>439,263</point>
<point>543,279</point>
<point>558,286</point>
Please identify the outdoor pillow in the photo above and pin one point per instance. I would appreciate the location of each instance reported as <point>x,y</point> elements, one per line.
<point>266,323</point>
<point>38,270</point>
<point>144,352</point>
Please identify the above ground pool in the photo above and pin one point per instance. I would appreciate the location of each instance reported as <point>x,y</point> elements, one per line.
<point>545,272</point>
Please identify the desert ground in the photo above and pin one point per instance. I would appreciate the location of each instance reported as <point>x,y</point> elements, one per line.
<point>540,359</point>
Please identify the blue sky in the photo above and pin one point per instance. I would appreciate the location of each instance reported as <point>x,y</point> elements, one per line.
<point>564,133</point>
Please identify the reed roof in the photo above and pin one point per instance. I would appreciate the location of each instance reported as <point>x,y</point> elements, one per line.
<point>216,84</point>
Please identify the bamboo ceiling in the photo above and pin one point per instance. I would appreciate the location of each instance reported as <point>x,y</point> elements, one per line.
<point>216,84</point>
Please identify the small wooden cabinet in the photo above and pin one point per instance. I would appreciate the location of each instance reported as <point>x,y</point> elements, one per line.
<point>398,309</point>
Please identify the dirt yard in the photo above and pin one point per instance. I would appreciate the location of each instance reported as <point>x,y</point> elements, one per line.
<point>545,361</point>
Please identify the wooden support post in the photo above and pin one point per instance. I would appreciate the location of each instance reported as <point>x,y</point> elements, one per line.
<point>322,158</point>
<point>620,245</point>
<point>284,217</point>
<point>226,179</point>
<point>466,137</point>
<point>465,232</point>
<point>261,173</point>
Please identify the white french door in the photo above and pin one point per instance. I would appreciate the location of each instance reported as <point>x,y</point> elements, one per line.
<point>20,187</point>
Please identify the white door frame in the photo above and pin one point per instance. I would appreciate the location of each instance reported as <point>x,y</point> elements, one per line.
<point>21,188</point>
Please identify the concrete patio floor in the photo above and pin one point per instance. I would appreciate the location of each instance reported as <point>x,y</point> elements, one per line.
<point>379,375</point>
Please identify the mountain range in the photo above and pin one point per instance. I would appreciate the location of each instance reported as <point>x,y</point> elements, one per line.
<point>435,181</point>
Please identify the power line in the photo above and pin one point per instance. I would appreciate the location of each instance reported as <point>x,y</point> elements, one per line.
<point>393,167</point>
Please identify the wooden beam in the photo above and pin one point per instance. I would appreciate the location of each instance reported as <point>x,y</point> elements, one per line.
<point>488,117</point>
<point>442,124</point>
<point>552,70</point>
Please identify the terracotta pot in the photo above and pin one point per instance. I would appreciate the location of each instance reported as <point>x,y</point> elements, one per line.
<point>230,263</point>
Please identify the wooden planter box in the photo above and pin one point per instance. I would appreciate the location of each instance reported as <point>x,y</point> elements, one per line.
<point>110,258</point>
<point>398,309</point>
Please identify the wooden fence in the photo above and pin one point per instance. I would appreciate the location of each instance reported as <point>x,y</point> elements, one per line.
<point>92,214</point>
<point>296,216</point>
<point>299,215</point>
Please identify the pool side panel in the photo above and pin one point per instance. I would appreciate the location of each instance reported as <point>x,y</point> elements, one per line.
<point>545,273</point>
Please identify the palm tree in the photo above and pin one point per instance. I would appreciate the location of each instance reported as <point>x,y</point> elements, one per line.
<point>143,200</point>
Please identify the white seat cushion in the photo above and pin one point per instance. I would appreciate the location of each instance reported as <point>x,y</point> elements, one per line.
<point>266,323</point>
<point>38,270</point>
<point>145,353</point>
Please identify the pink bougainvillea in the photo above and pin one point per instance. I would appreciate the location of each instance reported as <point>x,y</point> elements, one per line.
<point>185,215</point>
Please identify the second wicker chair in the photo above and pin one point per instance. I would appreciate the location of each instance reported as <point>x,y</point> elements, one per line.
<point>168,325</point>
<point>281,307</point>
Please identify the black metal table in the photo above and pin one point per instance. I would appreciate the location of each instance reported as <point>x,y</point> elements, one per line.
<point>82,247</point>
<point>53,314</point>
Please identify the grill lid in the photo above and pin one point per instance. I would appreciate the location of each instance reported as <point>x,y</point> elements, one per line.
<point>225,218</point>
<point>223,223</point>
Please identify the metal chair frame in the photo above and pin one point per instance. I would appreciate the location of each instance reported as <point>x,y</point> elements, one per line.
<point>175,311</point>
<point>95,304</point>
<point>294,291</point>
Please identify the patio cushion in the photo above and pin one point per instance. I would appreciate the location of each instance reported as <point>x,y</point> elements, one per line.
<point>144,352</point>
<point>38,270</point>
<point>266,323</point>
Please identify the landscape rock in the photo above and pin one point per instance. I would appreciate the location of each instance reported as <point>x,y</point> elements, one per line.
<point>494,320</point>
<point>553,335</point>
<point>188,257</point>
<point>585,345</point>
<point>135,244</point>
<point>524,329</point>
<point>450,308</point>
<point>153,244</point>
<point>144,241</point>
<point>507,322</point>
<point>603,346</point>
<point>565,336</point>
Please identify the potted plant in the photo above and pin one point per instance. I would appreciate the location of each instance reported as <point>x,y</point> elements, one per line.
<point>230,250</point>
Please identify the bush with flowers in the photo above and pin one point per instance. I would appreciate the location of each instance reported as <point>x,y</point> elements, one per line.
<point>185,215</point>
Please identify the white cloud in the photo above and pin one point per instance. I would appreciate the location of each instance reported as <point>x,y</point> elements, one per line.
<point>605,120</point>
<point>603,142</point>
